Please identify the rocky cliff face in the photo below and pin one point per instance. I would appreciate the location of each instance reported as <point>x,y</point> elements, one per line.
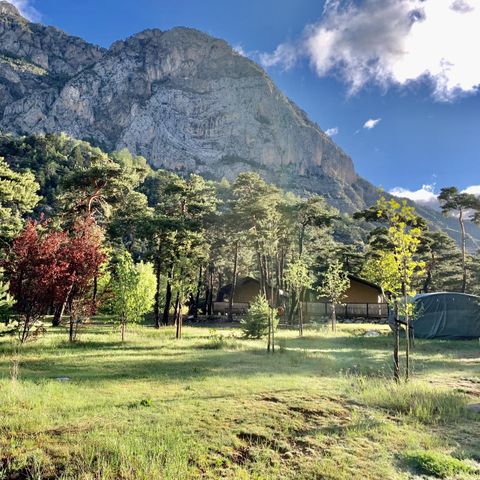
<point>184,100</point>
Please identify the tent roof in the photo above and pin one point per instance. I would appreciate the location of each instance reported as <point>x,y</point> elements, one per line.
<point>433,294</point>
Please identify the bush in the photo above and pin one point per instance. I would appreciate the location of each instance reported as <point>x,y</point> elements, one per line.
<point>255,324</point>
<point>437,464</point>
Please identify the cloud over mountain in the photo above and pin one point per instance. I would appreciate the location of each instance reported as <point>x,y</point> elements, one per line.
<point>27,9</point>
<point>392,42</point>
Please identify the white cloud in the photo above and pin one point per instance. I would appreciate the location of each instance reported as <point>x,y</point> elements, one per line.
<point>285,54</point>
<point>393,42</point>
<point>427,195</point>
<point>239,49</point>
<point>423,196</point>
<point>371,123</point>
<point>27,9</point>
<point>474,189</point>
<point>332,131</point>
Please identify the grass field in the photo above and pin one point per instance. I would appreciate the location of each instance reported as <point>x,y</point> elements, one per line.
<point>213,405</point>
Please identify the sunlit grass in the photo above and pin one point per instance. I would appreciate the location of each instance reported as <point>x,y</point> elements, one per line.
<point>214,405</point>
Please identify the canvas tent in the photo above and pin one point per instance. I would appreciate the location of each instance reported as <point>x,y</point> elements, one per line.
<point>447,315</point>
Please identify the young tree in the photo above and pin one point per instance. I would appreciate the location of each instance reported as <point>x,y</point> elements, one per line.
<point>298,277</point>
<point>402,237</point>
<point>335,284</point>
<point>256,324</point>
<point>462,205</point>
<point>133,287</point>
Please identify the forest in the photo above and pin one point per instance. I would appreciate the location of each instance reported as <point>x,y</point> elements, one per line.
<point>67,204</point>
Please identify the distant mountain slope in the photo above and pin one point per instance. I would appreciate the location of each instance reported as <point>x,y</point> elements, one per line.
<point>182,99</point>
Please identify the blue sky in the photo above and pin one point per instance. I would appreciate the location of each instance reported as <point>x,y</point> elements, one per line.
<point>410,65</point>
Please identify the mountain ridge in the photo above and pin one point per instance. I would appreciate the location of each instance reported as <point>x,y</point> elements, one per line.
<point>184,100</point>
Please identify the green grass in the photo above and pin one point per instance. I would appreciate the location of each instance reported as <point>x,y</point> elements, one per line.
<point>439,465</point>
<point>213,405</point>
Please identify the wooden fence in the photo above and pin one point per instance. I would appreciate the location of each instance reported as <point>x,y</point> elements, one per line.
<point>314,310</point>
<point>317,310</point>
<point>221,308</point>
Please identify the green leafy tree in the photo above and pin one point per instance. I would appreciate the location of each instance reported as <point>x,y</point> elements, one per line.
<point>256,323</point>
<point>298,277</point>
<point>443,263</point>
<point>133,287</point>
<point>382,269</point>
<point>18,196</point>
<point>256,208</point>
<point>462,205</point>
<point>334,286</point>
<point>6,301</point>
<point>404,232</point>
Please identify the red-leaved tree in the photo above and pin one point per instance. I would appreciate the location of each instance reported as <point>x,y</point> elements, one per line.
<point>47,268</point>
<point>34,266</point>
<point>84,256</point>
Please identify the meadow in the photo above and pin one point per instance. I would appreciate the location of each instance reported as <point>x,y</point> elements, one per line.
<point>213,405</point>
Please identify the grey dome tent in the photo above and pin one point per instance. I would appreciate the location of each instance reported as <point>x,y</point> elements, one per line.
<point>447,315</point>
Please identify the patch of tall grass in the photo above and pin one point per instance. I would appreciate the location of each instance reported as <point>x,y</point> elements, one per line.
<point>416,399</point>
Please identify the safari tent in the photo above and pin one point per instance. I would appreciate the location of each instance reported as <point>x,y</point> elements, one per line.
<point>447,315</point>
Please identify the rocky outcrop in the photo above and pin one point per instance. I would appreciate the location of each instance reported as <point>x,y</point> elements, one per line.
<point>184,100</point>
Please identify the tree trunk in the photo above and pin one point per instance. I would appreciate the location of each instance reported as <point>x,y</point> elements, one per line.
<point>58,314</point>
<point>265,276</point>
<point>272,305</point>
<point>210,288</point>
<point>122,328</point>
<point>156,308</point>
<point>301,240</point>
<point>197,296</point>
<point>334,317</point>
<point>293,307</point>
<point>300,316</point>
<point>396,345</point>
<point>260,269</point>
<point>95,292</point>
<point>407,344</point>
<point>464,250</point>
<point>168,296</point>
<point>175,310</point>
<point>234,283</point>
<point>71,332</point>
<point>428,279</point>
<point>179,320</point>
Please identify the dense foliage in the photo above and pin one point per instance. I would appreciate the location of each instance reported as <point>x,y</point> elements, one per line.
<point>198,235</point>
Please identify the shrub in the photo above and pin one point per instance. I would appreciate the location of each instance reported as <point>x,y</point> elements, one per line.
<point>437,464</point>
<point>255,323</point>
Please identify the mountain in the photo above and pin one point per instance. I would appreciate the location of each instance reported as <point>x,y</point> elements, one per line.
<point>180,98</point>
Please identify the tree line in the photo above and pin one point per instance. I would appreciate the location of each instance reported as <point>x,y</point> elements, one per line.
<point>83,231</point>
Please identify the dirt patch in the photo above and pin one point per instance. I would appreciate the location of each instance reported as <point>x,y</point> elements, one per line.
<point>271,399</point>
<point>307,412</point>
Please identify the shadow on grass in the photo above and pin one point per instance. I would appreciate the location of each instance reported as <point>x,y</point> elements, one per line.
<point>91,361</point>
